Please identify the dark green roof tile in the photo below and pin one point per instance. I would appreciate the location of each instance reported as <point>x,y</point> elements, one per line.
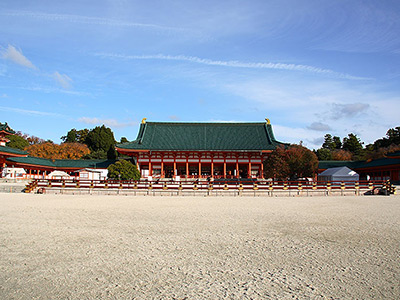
<point>62,163</point>
<point>10,150</point>
<point>6,128</point>
<point>204,136</point>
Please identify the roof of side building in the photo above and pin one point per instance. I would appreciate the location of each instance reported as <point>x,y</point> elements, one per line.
<point>7,129</point>
<point>62,163</point>
<point>9,150</point>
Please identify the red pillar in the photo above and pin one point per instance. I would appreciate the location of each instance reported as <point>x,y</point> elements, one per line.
<point>162,166</point>
<point>187,165</point>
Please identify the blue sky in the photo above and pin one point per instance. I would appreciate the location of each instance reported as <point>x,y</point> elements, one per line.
<point>311,67</point>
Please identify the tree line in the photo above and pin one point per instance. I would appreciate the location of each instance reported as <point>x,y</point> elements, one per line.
<point>352,148</point>
<point>296,161</point>
<point>96,143</point>
<point>292,162</point>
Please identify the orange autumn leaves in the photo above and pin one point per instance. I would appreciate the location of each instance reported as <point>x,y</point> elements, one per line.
<point>55,151</point>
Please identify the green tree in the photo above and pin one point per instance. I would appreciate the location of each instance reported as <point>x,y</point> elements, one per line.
<point>124,140</point>
<point>17,142</point>
<point>123,170</point>
<point>71,137</point>
<point>75,136</point>
<point>324,154</point>
<point>331,143</point>
<point>354,145</point>
<point>337,142</point>
<point>328,142</point>
<point>101,139</point>
<point>392,138</point>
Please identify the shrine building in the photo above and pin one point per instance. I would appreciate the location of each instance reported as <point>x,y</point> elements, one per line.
<point>7,152</point>
<point>201,150</point>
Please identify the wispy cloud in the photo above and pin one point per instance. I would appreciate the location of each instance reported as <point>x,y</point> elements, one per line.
<point>348,110</point>
<point>174,118</point>
<point>108,122</point>
<point>62,79</point>
<point>233,64</point>
<point>87,20</point>
<point>15,55</point>
<point>29,112</point>
<point>318,126</point>
<point>49,90</point>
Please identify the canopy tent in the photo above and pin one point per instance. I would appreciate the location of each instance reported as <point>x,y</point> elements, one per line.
<point>338,174</point>
<point>59,174</point>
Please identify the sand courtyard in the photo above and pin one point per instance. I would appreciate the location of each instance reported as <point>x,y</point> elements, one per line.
<point>124,247</point>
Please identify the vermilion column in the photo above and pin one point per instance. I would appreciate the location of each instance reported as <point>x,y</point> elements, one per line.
<point>187,166</point>
<point>237,167</point>
<point>224,166</point>
<point>249,172</point>
<point>199,168</point>
<point>262,170</point>
<point>162,166</point>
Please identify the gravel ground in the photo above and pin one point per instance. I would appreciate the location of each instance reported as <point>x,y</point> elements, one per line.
<point>119,247</point>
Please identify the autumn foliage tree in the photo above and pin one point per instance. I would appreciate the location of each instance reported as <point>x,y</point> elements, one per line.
<point>276,165</point>
<point>341,154</point>
<point>295,162</point>
<point>55,151</point>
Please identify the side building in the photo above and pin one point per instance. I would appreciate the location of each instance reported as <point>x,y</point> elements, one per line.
<point>201,150</point>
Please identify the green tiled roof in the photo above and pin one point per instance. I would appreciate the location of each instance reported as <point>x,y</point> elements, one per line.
<point>204,136</point>
<point>62,163</point>
<point>12,150</point>
<point>6,128</point>
<point>393,154</point>
<point>326,164</point>
<point>378,163</point>
<point>359,164</point>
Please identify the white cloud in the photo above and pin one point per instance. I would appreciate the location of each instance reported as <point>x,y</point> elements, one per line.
<point>233,64</point>
<point>174,118</point>
<point>108,122</point>
<point>348,110</point>
<point>15,55</point>
<point>62,79</point>
<point>318,126</point>
<point>29,112</point>
<point>87,20</point>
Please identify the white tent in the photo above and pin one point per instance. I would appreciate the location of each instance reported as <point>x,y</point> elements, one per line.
<point>338,174</point>
<point>59,174</point>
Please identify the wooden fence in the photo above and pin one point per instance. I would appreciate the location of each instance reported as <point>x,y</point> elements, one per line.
<point>193,187</point>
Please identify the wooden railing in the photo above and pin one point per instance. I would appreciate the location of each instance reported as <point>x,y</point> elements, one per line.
<point>295,187</point>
